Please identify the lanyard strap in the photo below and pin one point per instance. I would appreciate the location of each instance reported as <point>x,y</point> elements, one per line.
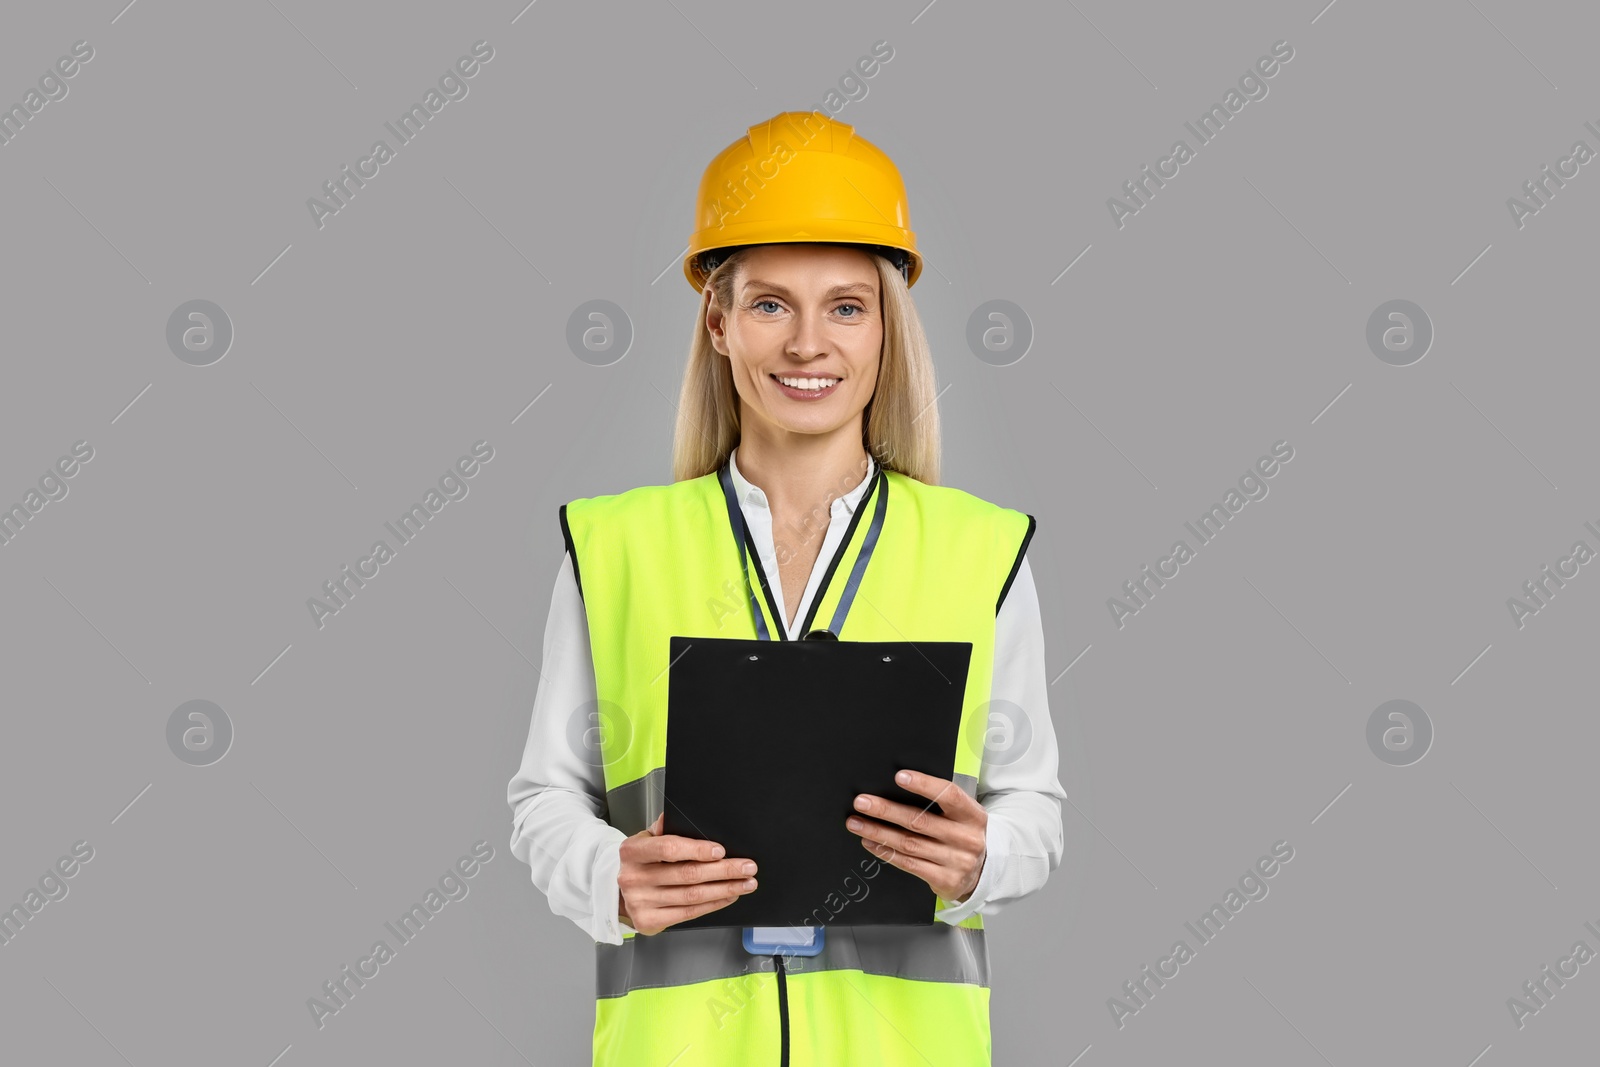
<point>860,568</point>
<point>736,521</point>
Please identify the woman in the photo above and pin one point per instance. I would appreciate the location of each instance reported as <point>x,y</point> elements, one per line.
<point>807,419</point>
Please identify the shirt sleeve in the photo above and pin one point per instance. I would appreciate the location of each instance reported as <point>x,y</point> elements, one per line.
<point>1017,782</point>
<point>557,796</point>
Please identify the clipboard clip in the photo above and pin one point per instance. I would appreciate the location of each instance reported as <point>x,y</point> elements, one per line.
<point>821,635</point>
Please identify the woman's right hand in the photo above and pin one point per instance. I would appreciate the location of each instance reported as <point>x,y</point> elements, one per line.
<point>666,879</point>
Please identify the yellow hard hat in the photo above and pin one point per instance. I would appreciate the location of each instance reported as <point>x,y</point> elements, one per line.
<point>801,176</point>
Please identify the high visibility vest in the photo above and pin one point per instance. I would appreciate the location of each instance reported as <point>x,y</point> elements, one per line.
<point>661,560</point>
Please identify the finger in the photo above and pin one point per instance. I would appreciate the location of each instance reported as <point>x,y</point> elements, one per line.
<point>719,870</point>
<point>921,818</point>
<point>682,895</point>
<point>906,843</point>
<point>652,830</point>
<point>671,848</point>
<point>910,864</point>
<point>951,798</point>
<point>657,827</point>
<point>676,915</point>
<point>650,852</point>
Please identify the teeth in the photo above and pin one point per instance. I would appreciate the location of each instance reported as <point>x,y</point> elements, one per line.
<point>808,383</point>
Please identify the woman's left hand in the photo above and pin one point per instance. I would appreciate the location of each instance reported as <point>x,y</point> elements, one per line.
<point>946,851</point>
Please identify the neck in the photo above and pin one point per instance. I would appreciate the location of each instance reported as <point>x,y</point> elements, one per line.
<point>797,470</point>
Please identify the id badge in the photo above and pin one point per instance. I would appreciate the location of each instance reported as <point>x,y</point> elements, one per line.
<point>783,940</point>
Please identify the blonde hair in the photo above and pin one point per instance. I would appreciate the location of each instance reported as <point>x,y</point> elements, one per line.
<point>900,424</point>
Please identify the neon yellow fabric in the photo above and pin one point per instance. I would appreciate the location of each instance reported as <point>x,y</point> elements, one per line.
<point>659,561</point>
<point>836,1018</point>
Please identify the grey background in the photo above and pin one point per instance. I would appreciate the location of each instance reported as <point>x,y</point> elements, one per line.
<point>1225,316</point>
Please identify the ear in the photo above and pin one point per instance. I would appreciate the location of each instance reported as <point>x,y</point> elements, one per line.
<point>714,316</point>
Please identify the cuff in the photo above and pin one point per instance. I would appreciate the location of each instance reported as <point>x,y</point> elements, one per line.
<point>997,843</point>
<point>606,926</point>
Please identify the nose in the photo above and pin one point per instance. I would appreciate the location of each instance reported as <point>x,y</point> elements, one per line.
<point>809,339</point>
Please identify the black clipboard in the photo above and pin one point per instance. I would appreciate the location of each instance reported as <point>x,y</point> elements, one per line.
<point>768,744</point>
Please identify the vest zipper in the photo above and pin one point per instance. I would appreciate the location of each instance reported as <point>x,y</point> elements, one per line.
<point>783,1012</point>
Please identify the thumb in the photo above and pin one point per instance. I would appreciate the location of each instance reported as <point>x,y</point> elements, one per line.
<point>658,827</point>
<point>653,830</point>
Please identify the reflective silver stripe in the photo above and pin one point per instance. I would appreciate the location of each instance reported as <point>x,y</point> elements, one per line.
<point>634,805</point>
<point>937,953</point>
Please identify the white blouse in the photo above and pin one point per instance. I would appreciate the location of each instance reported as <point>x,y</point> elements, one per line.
<point>558,797</point>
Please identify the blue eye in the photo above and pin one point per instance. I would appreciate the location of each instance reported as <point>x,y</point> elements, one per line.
<point>852,307</point>
<point>758,303</point>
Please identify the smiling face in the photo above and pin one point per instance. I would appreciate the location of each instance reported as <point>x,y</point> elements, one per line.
<point>803,337</point>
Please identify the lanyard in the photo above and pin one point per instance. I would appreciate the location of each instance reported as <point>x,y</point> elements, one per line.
<point>741,537</point>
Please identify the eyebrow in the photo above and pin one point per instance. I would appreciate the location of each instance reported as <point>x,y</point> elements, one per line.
<point>838,290</point>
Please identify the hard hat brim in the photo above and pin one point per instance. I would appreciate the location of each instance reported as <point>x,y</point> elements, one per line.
<point>815,234</point>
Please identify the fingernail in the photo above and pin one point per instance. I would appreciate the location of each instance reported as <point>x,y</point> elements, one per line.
<point>904,777</point>
<point>749,883</point>
<point>862,803</point>
<point>854,824</point>
<point>716,852</point>
<point>748,868</point>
